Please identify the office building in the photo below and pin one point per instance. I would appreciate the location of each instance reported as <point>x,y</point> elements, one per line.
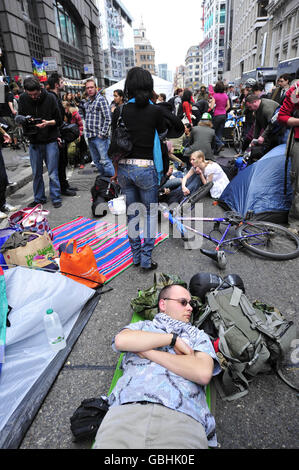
<point>66,32</point>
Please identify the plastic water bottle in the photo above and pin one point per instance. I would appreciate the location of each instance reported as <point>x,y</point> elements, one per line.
<point>54,330</point>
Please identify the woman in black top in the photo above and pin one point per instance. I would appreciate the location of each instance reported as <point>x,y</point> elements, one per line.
<point>137,174</point>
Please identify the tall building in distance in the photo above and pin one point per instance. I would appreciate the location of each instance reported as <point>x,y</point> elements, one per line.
<point>214,24</point>
<point>144,52</point>
<point>65,31</point>
<point>180,77</point>
<point>193,67</point>
<point>117,40</point>
<point>164,73</point>
<point>264,43</point>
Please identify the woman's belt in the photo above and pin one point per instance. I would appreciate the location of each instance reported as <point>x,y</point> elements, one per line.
<point>137,162</point>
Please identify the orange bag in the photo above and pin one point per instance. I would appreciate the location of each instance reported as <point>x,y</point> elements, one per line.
<point>83,264</point>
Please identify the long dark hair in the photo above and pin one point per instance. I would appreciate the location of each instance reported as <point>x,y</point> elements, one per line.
<point>219,87</point>
<point>139,85</point>
<point>187,96</point>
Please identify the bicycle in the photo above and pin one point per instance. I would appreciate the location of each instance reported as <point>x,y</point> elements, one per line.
<point>233,130</point>
<point>22,140</point>
<point>265,239</point>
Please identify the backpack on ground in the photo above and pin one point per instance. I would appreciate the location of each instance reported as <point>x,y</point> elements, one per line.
<point>88,417</point>
<point>103,191</point>
<point>249,339</point>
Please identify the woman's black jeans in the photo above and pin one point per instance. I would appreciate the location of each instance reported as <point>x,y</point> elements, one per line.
<point>218,124</point>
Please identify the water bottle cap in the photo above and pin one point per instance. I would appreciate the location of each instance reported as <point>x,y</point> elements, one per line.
<point>49,312</point>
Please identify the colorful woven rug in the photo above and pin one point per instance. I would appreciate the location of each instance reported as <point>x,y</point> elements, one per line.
<point>109,242</point>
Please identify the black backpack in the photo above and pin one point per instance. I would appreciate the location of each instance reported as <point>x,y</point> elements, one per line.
<point>87,419</point>
<point>102,191</point>
<point>69,132</point>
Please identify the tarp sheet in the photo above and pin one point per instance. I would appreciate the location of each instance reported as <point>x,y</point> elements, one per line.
<point>160,86</point>
<point>30,366</point>
<point>260,188</point>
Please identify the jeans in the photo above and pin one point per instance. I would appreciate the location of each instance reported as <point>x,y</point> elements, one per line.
<point>294,175</point>
<point>62,165</point>
<point>98,149</point>
<point>140,186</point>
<point>218,124</point>
<point>177,195</point>
<point>50,154</point>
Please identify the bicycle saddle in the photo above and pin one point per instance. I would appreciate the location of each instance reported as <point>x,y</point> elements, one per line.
<point>218,256</point>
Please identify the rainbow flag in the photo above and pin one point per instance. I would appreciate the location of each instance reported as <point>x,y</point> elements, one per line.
<point>39,71</point>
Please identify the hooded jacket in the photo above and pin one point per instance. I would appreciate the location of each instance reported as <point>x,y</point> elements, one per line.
<point>45,108</point>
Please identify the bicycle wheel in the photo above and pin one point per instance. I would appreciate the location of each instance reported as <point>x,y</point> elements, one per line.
<point>237,139</point>
<point>269,240</point>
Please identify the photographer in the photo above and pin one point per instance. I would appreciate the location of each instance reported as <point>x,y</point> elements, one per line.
<point>39,115</point>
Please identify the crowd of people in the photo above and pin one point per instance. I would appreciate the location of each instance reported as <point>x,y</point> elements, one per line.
<point>192,122</point>
<point>175,148</point>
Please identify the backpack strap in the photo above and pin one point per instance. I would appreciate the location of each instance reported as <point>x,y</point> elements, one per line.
<point>282,335</point>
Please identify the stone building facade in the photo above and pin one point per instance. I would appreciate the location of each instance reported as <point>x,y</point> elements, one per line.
<point>65,30</point>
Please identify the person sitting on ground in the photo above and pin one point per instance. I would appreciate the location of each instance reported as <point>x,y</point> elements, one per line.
<point>208,172</point>
<point>202,138</point>
<point>160,401</point>
<point>174,173</point>
<point>190,183</point>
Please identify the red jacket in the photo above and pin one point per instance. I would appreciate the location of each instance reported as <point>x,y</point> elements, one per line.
<point>187,108</point>
<point>290,104</point>
<point>76,119</point>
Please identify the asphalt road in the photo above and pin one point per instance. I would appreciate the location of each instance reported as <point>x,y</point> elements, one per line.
<point>267,418</point>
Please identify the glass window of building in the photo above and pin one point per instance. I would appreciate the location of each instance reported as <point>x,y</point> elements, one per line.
<point>67,30</point>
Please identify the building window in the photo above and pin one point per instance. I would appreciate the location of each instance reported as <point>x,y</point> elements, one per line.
<point>66,29</point>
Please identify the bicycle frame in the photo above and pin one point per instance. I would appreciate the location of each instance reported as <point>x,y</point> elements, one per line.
<point>220,243</point>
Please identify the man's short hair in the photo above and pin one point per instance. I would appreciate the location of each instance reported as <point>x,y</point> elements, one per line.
<point>252,98</point>
<point>90,80</point>
<point>54,80</point>
<point>286,76</point>
<point>32,84</point>
<point>165,292</point>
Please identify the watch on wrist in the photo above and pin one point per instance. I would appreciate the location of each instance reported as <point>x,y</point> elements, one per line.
<point>173,341</point>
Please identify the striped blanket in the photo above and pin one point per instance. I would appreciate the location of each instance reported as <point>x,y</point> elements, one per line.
<point>109,242</point>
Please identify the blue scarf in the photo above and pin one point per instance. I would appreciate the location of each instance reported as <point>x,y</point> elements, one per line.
<point>157,151</point>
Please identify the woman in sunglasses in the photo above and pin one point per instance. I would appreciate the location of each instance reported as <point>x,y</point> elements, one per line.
<point>159,402</point>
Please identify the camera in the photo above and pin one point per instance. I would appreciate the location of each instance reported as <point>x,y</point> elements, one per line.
<point>29,125</point>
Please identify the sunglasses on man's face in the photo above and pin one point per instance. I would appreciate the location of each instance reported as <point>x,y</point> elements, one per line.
<point>183,302</point>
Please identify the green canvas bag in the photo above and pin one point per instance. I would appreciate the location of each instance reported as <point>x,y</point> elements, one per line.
<point>253,339</point>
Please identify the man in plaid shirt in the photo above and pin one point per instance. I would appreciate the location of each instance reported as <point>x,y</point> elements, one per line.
<point>97,124</point>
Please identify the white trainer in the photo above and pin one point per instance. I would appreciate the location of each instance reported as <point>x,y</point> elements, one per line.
<point>3,215</point>
<point>9,208</point>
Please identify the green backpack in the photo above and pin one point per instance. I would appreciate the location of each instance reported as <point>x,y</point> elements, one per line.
<point>253,339</point>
